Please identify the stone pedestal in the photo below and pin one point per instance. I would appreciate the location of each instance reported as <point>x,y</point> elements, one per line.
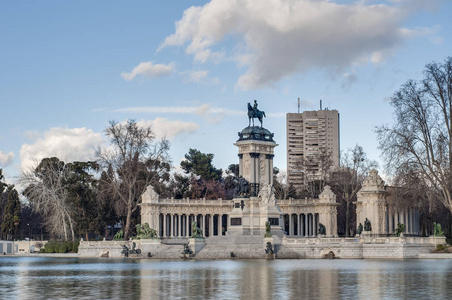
<point>371,203</point>
<point>196,244</point>
<point>250,215</point>
<point>328,213</point>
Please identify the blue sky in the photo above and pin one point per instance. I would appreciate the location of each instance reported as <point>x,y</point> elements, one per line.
<point>188,68</point>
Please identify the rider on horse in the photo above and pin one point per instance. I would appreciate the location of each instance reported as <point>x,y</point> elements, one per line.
<point>253,113</point>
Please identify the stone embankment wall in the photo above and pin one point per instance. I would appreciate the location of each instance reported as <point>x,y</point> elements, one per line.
<point>253,247</point>
<point>362,247</point>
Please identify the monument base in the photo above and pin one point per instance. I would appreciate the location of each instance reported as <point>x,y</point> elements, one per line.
<point>250,215</point>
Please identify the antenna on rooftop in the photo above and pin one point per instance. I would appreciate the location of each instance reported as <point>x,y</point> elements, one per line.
<point>298,105</point>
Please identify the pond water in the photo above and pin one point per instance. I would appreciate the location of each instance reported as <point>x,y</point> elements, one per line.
<point>75,278</point>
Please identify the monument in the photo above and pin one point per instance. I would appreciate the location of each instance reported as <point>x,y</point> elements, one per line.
<point>255,204</point>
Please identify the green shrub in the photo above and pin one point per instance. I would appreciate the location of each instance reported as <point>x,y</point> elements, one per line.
<point>50,247</point>
<point>75,246</point>
<point>62,248</point>
<point>440,247</point>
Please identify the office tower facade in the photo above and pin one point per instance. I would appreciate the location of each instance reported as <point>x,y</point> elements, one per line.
<point>312,136</point>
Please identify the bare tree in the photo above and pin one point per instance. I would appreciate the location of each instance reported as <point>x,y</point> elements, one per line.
<point>347,180</point>
<point>136,162</point>
<point>316,169</point>
<point>421,137</point>
<point>283,189</point>
<point>46,190</point>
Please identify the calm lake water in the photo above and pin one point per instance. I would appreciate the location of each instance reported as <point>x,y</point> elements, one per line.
<point>74,278</point>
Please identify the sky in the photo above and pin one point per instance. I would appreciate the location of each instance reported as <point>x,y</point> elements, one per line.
<point>188,68</point>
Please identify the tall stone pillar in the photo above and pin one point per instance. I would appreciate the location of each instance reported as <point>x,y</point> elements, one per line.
<point>220,225</point>
<point>256,152</point>
<point>371,203</point>
<point>328,215</point>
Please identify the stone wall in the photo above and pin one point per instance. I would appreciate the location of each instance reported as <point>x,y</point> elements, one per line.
<point>253,247</point>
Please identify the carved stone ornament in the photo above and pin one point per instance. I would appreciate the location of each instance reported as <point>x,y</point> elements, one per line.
<point>247,165</point>
<point>327,195</point>
<point>373,182</point>
<point>262,165</point>
<point>267,195</point>
<point>150,196</point>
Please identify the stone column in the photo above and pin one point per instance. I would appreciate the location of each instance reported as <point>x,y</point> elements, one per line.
<point>173,225</point>
<point>306,225</point>
<point>241,164</point>
<point>269,158</point>
<point>204,225</point>
<point>179,225</point>
<point>220,225</point>
<point>164,225</point>
<point>211,225</point>
<point>290,225</point>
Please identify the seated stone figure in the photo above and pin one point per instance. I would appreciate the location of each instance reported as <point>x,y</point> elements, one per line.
<point>367,225</point>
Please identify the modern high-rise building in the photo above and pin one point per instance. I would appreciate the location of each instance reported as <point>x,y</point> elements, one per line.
<point>312,136</point>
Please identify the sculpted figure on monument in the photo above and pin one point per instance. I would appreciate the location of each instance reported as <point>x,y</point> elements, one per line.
<point>268,230</point>
<point>254,113</point>
<point>196,231</point>
<point>322,229</point>
<point>367,225</point>
<point>267,195</point>
<point>359,230</point>
<point>243,188</point>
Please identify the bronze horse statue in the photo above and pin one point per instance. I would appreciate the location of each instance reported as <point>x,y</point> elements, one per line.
<point>255,113</point>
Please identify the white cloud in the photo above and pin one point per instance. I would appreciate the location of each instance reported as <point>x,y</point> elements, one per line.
<point>277,38</point>
<point>77,144</point>
<point>163,127</point>
<point>197,76</point>
<point>205,109</point>
<point>6,158</point>
<point>148,69</point>
<point>200,76</point>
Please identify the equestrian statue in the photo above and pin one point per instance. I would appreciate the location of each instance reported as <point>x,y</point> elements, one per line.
<point>253,113</point>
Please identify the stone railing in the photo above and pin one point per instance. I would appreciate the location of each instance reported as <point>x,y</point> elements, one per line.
<point>188,201</point>
<point>291,201</point>
<point>365,240</point>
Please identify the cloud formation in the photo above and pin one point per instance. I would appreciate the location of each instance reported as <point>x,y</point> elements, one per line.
<point>202,77</point>
<point>204,109</point>
<point>208,112</point>
<point>164,128</point>
<point>6,158</point>
<point>77,144</point>
<point>148,69</point>
<point>278,38</point>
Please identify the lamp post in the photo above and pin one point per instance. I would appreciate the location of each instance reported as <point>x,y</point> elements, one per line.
<point>29,233</point>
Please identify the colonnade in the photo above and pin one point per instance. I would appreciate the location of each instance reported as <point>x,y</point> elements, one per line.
<point>303,225</point>
<point>179,225</point>
<point>409,217</point>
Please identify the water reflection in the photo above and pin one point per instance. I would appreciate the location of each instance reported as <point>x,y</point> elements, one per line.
<point>44,278</point>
